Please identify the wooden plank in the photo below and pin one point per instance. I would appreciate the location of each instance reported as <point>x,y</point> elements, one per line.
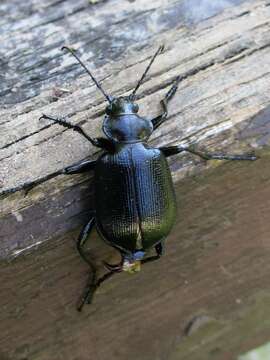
<point>225,82</point>
<point>208,298</point>
<point>216,266</point>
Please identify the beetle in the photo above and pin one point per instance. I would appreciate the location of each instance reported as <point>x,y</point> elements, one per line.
<point>134,194</point>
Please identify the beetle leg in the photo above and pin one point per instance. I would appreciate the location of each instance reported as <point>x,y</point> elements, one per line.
<point>81,167</point>
<point>74,169</point>
<point>114,268</point>
<point>157,121</point>
<point>95,142</point>
<point>105,277</point>
<point>91,285</point>
<point>159,250</point>
<point>172,150</point>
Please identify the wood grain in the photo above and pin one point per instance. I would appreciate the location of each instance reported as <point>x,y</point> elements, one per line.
<point>225,83</point>
<point>216,266</point>
<point>208,298</point>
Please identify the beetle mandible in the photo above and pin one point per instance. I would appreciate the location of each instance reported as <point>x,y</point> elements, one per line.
<point>135,199</point>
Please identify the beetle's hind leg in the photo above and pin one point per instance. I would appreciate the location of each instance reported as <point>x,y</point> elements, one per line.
<point>159,252</point>
<point>91,284</point>
<point>177,149</point>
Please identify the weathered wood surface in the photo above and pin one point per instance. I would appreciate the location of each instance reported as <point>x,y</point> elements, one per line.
<point>216,268</point>
<point>224,62</point>
<point>215,272</point>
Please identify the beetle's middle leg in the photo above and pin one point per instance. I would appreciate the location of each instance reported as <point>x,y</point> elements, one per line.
<point>80,167</point>
<point>157,121</point>
<point>172,150</point>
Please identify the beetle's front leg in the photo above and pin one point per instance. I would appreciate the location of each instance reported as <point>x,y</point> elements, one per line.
<point>172,150</point>
<point>157,121</point>
<point>66,124</point>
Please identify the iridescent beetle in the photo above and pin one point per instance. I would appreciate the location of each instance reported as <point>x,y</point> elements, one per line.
<point>135,200</point>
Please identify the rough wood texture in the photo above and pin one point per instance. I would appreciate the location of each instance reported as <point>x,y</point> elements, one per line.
<point>209,297</point>
<point>224,62</point>
<point>215,274</point>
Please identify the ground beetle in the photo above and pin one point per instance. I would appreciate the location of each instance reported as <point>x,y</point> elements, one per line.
<point>135,200</point>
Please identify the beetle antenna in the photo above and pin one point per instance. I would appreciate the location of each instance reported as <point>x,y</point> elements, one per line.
<point>159,50</point>
<point>109,99</point>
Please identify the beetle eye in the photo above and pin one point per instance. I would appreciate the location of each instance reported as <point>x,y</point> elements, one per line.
<point>110,108</point>
<point>135,108</point>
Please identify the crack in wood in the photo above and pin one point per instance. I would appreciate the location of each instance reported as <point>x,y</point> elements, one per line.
<point>248,53</point>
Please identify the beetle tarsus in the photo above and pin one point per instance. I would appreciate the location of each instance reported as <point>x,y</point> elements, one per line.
<point>173,150</point>
<point>76,128</point>
<point>91,285</point>
<point>88,295</point>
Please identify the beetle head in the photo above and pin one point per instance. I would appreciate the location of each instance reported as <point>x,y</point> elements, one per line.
<point>123,125</point>
<point>121,106</point>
